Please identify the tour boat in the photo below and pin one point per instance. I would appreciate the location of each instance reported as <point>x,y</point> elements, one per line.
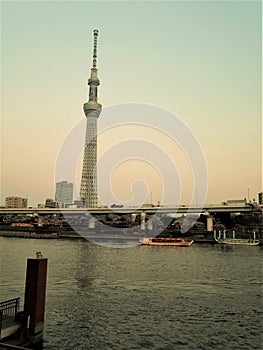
<point>235,241</point>
<point>240,241</point>
<point>178,242</point>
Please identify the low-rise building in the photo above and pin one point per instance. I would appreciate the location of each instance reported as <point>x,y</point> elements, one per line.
<point>236,202</point>
<point>16,202</point>
<point>51,203</point>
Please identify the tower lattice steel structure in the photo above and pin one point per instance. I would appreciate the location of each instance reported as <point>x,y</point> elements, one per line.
<point>92,109</point>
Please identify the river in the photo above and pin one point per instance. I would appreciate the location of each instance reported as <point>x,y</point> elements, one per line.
<point>167,298</point>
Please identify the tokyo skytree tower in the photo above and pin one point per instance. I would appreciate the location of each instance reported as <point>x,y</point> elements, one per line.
<point>92,109</point>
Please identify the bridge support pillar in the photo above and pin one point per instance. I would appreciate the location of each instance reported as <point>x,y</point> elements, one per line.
<point>133,217</point>
<point>209,221</point>
<point>143,216</point>
<point>92,223</point>
<point>150,225</point>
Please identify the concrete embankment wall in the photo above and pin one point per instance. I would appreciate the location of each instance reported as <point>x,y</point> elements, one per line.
<point>20,234</point>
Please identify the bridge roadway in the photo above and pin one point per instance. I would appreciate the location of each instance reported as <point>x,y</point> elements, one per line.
<point>148,210</point>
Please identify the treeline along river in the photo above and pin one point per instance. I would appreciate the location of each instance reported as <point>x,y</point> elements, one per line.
<point>201,297</point>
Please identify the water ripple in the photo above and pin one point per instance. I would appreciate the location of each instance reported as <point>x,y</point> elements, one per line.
<point>160,299</point>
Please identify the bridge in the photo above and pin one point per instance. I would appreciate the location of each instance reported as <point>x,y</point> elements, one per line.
<point>184,209</point>
<point>209,211</point>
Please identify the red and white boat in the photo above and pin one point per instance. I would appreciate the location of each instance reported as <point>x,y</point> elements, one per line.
<point>178,242</point>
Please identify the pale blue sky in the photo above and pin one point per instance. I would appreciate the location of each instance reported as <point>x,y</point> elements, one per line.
<point>200,60</point>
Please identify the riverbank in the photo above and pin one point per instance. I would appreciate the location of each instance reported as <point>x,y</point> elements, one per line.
<point>23,234</point>
<point>91,234</point>
<point>205,237</point>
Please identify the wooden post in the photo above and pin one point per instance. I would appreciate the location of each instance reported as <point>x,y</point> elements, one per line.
<point>35,295</point>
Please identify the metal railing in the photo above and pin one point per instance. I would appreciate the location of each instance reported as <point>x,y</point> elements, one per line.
<point>8,309</point>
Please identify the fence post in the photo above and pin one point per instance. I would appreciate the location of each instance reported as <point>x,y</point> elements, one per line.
<point>1,318</point>
<point>17,306</point>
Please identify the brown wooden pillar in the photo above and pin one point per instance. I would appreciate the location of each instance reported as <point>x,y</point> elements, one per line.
<point>35,295</point>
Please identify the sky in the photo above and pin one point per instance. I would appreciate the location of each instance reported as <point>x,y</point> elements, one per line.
<point>197,60</point>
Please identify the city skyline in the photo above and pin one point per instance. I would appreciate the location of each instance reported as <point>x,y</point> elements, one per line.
<point>200,61</point>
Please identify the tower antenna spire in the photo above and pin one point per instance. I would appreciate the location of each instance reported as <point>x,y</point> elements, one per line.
<point>95,38</point>
<point>93,81</point>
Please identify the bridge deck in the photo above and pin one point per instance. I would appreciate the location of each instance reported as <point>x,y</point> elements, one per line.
<point>164,210</point>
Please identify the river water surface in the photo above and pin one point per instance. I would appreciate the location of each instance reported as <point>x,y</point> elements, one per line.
<point>165,298</point>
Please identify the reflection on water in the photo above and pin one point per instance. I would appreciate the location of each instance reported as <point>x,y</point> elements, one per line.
<point>201,297</point>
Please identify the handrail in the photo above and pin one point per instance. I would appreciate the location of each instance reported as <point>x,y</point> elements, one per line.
<point>8,309</point>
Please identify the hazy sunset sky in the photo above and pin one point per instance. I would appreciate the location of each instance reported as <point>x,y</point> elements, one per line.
<point>199,60</point>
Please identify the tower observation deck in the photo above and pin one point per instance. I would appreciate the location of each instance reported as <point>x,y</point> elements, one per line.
<point>92,109</point>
